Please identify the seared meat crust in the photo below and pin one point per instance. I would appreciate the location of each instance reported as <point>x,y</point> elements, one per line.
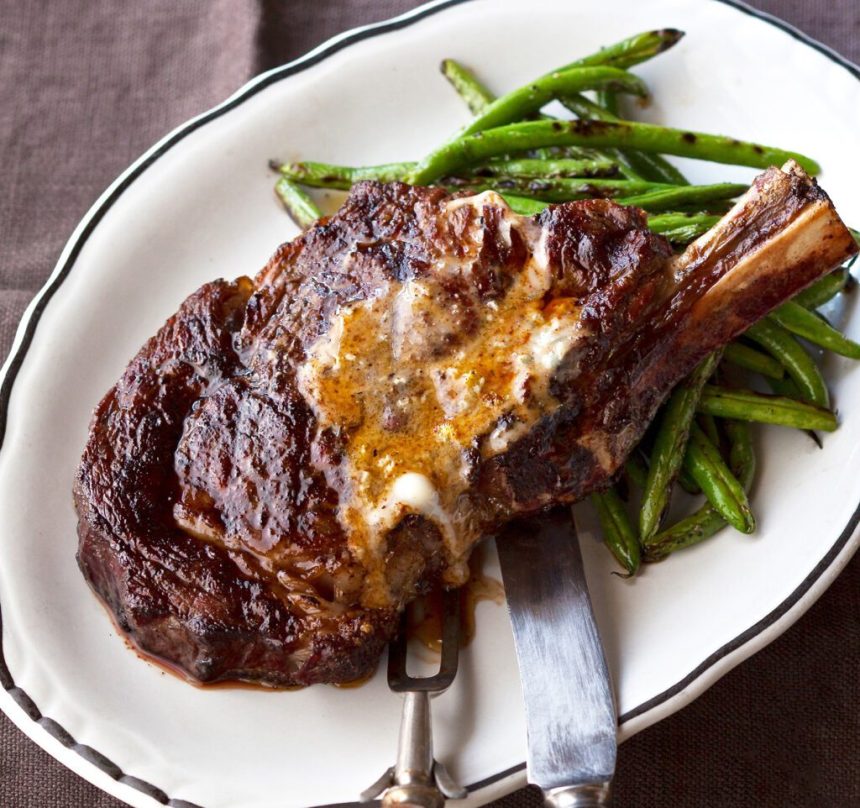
<point>211,493</point>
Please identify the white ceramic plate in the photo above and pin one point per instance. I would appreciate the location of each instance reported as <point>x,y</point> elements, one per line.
<point>199,205</point>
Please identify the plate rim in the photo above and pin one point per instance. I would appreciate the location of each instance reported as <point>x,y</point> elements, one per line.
<point>92,763</point>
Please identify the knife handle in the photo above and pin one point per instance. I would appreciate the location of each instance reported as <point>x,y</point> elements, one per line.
<point>593,795</point>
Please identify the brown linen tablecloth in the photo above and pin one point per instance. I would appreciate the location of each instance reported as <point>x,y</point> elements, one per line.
<point>86,86</point>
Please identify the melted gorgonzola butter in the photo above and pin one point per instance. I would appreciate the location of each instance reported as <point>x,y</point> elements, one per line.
<point>415,408</point>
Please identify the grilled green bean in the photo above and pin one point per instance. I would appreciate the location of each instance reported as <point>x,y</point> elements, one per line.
<point>723,490</point>
<point>801,321</point>
<point>749,358</point>
<point>669,198</point>
<point>741,452</point>
<point>523,205</point>
<point>745,405</point>
<point>785,387</point>
<point>648,166</point>
<point>608,100</point>
<point>823,290</point>
<point>618,533</point>
<point>327,175</point>
<point>792,356</point>
<point>626,54</point>
<point>698,526</point>
<point>687,482</point>
<point>560,189</point>
<point>682,236</point>
<point>476,148</point>
<point>622,55</point>
<point>639,164</point>
<point>661,222</point>
<point>298,204</point>
<point>548,168</point>
<point>681,228</point>
<point>705,522</point>
<point>653,167</point>
<point>528,99</point>
<point>636,469</point>
<point>475,94</point>
<point>632,51</point>
<point>669,446</point>
<point>709,426</point>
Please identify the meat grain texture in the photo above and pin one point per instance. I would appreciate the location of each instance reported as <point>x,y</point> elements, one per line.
<point>292,458</point>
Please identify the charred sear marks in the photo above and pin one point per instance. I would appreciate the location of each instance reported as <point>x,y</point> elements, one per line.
<point>211,491</point>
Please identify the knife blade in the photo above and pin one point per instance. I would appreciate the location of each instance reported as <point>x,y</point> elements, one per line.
<point>569,704</point>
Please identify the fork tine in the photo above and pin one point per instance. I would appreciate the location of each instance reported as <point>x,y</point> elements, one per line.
<point>400,681</point>
<point>417,779</point>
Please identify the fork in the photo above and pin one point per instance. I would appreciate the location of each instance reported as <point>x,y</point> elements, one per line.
<point>417,779</point>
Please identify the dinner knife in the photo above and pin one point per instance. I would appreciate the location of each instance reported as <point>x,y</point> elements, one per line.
<point>570,710</point>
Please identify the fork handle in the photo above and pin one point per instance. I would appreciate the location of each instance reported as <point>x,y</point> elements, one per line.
<point>414,785</point>
<point>591,795</point>
<point>413,795</point>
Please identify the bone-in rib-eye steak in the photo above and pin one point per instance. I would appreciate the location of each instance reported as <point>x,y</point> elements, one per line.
<point>291,459</point>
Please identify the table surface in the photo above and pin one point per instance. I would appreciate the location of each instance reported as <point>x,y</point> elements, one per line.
<point>86,87</point>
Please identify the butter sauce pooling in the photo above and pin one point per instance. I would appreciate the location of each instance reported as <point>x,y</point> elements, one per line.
<point>421,385</point>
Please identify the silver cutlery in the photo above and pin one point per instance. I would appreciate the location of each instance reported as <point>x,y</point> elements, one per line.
<point>570,710</point>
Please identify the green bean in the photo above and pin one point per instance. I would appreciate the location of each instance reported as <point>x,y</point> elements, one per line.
<point>705,522</point>
<point>698,526</point>
<point>618,533</point>
<point>741,453</point>
<point>813,328</point>
<point>299,205</point>
<point>528,99</point>
<point>648,166</point>
<point>823,290</point>
<point>654,167</point>
<point>547,168</point>
<point>624,54</point>
<point>563,153</point>
<point>792,356</point>
<point>785,387</point>
<point>669,445</point>
<point>479,97</point>
<point>608,100</point>
<point>687,482</point>
<point>553,190</point>
<point>661,222</point>
<point>709,426</point>
<point>477,148</point>
<point>636,469</point>
<point>669,198</point>
<point>583,108</point>
<point>712,208</point>
<point>749,358</point>
<point>726,495</point>
<point>745,405</point>
<point>682,236</point>
<point>475,94</point>
<point>523,205</point>
<point>326,175</point>
<point>632,51</point>
<point>681,229</point>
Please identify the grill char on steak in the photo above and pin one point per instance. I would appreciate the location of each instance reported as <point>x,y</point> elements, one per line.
<point>290,460</point>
